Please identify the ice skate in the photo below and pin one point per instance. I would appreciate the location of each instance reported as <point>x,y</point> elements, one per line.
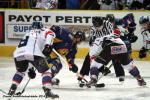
<point>81,82</point>
<point>12,90</point>
<point>49,94</point>
<point>92,82</point>
<point>141,81</point>
<point>106,71</point>
<point>121,79</point>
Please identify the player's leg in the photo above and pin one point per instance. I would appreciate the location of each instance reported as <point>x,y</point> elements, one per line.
<point>119,71</point>
<point>103,59</point>
<point>86,66</point>
<point>126,62</point>
<point>84,69</point>
<point>47,75</point>
<point>21,67</point>
<point>57,66</point>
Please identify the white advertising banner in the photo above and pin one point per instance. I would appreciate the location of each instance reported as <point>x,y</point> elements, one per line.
<point>18,22</point>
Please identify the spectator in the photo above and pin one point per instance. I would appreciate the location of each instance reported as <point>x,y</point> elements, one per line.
<point>47,4</point>
<point>146,4</point>
<point>61,4</point>
<point>72,4</point>
<point>87,4</point>
<point>106,4</point>
<point>136,4</point>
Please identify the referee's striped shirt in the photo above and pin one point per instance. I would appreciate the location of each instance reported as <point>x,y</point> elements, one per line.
<point>105,31</point>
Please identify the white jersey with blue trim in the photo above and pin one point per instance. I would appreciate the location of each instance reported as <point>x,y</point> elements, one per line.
<point>33,44</point>
<point>146,38</point>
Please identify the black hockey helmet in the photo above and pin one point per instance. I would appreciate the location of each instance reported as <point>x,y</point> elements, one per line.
<point>110,17</point>
<point>80,34</point>
<point>97,21</point>
<point>37,25</point>
<point>143,19</point>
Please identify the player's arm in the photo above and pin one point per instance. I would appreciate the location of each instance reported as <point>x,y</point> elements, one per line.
<point>49,37</point>
<point>70,59</point>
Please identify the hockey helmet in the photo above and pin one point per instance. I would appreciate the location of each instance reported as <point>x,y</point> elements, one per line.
<point>80,34</point>
<point>110,17</point>
<point>129,17</point>
<point>37,25</point>
<point>143,19</point>
<point>97,21</point>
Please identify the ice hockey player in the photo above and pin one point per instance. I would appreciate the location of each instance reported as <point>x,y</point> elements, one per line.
<point>95,33</point>
<point>128,22</point>
<point>33,48</point>
<point>106,48</point>
<point>65,44</point>
<point>145,31</point>
<point>119,71</point>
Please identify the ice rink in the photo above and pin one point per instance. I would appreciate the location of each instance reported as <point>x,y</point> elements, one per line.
<point>69,89</point>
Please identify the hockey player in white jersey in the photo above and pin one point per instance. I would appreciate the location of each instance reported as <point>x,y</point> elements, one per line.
<point>33,48</point>
<point>145,31</point>
<point>106,48</point>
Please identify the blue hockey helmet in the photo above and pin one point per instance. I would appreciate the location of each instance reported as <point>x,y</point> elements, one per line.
<point>129,17</point>
<point>143,19</point>
<point>37,25</point>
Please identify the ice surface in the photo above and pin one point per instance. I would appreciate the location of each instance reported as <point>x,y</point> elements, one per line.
<point>69,89</point>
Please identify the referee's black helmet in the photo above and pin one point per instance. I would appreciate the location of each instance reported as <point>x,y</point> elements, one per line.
<point>97,21</point>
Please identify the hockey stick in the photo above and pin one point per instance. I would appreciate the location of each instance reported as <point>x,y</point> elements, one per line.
<point>100,76</point>
<point>20,93</point>
<point>99,85</point>
<point>66,63</point>
<point>3,92</point>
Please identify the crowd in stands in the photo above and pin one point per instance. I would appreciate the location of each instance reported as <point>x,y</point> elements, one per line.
<point>78,4</point>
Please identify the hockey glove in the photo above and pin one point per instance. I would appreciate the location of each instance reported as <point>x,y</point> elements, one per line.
<point>31,73</point>
<point>47,50</point>
<point>74,68</point>
<point>132,38</point>
<point>142,53</point>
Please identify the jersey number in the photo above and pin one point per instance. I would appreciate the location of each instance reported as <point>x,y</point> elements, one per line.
<point>23,42</point>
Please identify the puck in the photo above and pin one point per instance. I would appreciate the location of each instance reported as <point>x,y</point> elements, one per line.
<point>100,85</point>
<point>81,85</point>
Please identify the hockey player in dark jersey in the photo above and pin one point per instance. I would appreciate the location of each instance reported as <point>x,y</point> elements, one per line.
<point>145,31</point>
<point>65,44</point>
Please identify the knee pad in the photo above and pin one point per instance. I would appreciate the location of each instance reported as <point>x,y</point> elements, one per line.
<point>18,77</point>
